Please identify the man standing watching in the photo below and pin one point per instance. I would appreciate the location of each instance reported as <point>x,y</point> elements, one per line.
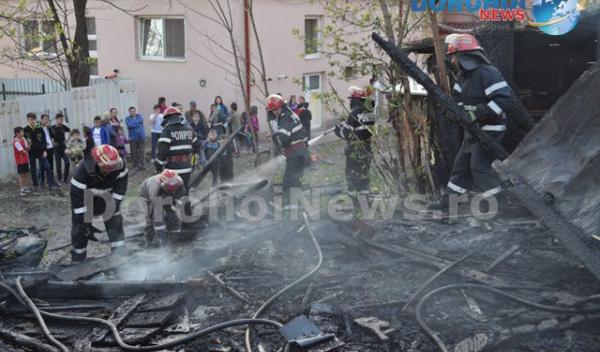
<point>49,135</point>
<point>36,138</point>
<point>137,136</point>
<point>190,113</point>
<point>59,133</point>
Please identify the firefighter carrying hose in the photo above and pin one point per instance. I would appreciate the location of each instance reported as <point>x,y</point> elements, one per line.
<point>161,193</point>
<point>98,186</point>
<point>482,91</point>
<point>355,130</point>
<point>290,135</point>
<point>176,144</point>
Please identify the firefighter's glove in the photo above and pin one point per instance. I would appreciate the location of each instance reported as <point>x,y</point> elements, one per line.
<point>472,117</point>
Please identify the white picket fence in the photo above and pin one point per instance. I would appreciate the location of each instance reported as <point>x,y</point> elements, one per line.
<point>79,105</point>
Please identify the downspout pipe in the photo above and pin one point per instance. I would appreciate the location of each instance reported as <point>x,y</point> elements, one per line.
<point>247,51</point>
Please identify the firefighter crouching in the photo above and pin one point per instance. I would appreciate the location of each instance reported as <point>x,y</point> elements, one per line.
<point>290,136</point>
<point>176,144</point>
<point>98,186</point>
<point>356,131</point>
<point>161,193</point>
<point>485,95</point>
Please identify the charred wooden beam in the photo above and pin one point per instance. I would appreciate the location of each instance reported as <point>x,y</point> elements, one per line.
<point>117,317</point>
<point>24,341</point>
<point>109,289</point>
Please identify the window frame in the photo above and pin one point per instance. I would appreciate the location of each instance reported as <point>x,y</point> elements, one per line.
<point>317,54</point>
<point>140,40</point>
<point>93,53</point>
<point>42,53</point>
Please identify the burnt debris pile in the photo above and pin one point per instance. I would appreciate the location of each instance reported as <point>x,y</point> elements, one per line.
<point>398,285</point>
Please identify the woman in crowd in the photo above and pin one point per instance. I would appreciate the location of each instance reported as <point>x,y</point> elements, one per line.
<point>162,103</point>
<point>221,107</point>
<point>107,123</point>
<point>293,104</point>
<point>217,120</point>
<point>114,119</point>
<point>156,120</point>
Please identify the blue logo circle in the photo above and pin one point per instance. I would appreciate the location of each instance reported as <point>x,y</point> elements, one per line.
<point>555,17</point>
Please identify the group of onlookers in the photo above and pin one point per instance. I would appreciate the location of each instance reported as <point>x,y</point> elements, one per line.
<point>43,150</point>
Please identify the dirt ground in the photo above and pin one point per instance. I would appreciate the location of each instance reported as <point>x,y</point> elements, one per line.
<point>370,269</point>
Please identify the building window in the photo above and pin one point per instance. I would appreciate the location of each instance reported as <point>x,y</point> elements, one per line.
<point>93,66</point>
<point>39,37</point>
<point>311,37</point>
<point>350,73</point>
<point>93,45</point>
<point>162,38</point>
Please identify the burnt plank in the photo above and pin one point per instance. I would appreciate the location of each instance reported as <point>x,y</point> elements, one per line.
<point>92,267</point>
<point>107,289</point>
<point>117,317</point>
<point>165,303</point>
<point>149,319</point>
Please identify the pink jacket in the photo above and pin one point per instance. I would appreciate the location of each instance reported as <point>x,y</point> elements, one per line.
<point>254,123</point>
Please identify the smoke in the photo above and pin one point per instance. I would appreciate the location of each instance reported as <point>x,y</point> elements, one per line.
<point>155,264</point>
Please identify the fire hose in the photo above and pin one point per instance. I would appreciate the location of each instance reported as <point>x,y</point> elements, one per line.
<point>442,346</point>
<point>22,298</point>
<point>265,305</point>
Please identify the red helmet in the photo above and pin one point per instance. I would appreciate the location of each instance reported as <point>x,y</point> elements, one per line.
<point>274,102</point>
<point>461,42</point>
<point>169,180</point>
<point>359,93</point>
<point>171,110</point>
<point>107,158</point>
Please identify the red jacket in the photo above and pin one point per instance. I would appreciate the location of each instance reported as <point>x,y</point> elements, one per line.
<point>20,150</point>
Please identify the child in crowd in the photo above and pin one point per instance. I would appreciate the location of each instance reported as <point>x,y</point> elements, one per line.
<point>156,121</point>
<point>210,148</point>
<point>75,147</point>
<point>121,141</point>
<point>99,133</point>
<point>21,151</point>
<point>245,135</point>
<point>293,104</point>
<point>88,141</point>
<point>201,129</point>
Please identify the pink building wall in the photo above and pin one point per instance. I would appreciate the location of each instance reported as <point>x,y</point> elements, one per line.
<point>180,80</point>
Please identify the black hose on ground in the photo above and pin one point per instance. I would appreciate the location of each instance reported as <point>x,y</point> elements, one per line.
<point>265,305</point>
<point>440,343</point>
<point>115,332</point>
<point>39,317</point>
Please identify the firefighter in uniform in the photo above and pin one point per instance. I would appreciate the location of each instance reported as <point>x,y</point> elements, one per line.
<point>98,186</point>
<point>356,131</point>
<point>161,193</point>
<point>176,144</point>
<point>290,136</point>
<point>482,91</point>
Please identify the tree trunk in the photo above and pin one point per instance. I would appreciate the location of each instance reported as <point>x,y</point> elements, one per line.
<point>78,54</point>
<point>79,66</point>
